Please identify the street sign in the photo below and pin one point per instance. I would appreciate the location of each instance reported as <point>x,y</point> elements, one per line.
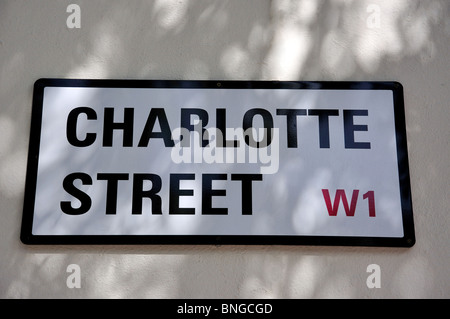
<point>208,162</point>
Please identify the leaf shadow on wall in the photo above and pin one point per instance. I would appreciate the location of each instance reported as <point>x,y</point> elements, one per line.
<point>251,40</point>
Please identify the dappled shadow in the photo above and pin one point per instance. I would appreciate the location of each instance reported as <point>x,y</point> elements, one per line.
<point>249,40</point>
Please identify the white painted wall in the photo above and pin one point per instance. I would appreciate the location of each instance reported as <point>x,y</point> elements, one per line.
<point>249,40</point>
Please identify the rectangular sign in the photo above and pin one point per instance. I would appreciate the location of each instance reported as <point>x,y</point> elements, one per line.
<point>207,162</point>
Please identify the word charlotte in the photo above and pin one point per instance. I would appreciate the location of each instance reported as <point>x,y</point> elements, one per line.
<point>192,120</point>
<point>186,114</point>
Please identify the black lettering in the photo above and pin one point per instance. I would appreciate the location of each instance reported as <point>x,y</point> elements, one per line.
<point>246,179</point>
<point>69,187</point>
<point>126,126</point>
<point>268,126</point>
<point>208,193</point>
<point>111,189</point>
<point>176,192</point>
<point>291,124</point>
<point>221,126</point>
<point>71,128</point>
<point>139,193</point>
<point>165,134</point>
<point>324,125</point>
<point>350,128</point>
<point>186,123</point>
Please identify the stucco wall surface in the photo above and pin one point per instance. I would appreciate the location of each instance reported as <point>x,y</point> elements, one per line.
<point>401,40</point>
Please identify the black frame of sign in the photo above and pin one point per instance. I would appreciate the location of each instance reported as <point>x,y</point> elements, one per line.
<point>27,236</point>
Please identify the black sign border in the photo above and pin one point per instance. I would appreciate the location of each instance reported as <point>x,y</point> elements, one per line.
<point>26,236</point>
